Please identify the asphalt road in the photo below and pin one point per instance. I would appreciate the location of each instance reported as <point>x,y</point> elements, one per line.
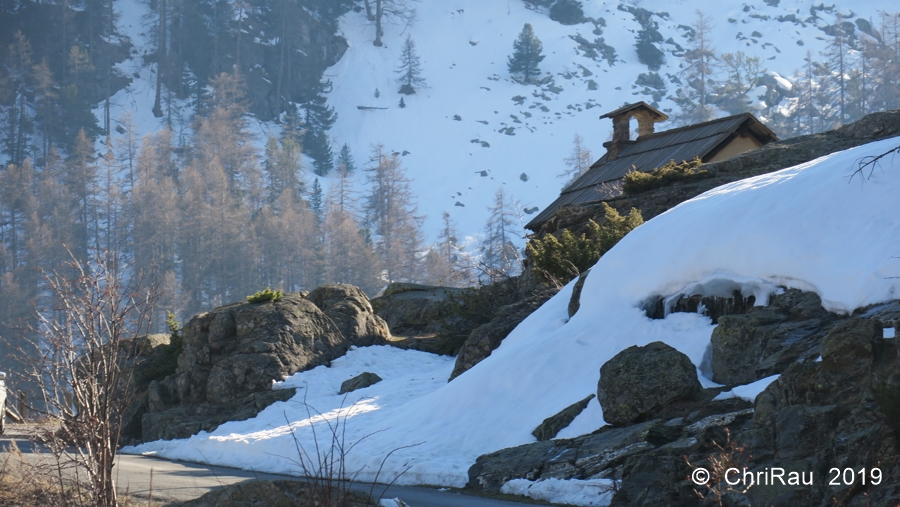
<point>174,481</point>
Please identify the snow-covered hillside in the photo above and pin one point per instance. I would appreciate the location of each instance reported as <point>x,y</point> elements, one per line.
<point>473,129</point>
<point>810,227</point>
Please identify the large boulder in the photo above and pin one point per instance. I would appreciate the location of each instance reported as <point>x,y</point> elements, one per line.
<point>350,309</point>
<point>422,317</point>
<point>767,339</point>
<point>231,355</point>
<point>640,380</point>
<point>239,349</point>
<point>361,381</point>
<point>487,337</point>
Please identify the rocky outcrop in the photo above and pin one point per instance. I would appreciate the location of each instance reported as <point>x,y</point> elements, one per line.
<point>232,354</point>
<point>575,300</point>
<point>361,381</point>
<point>552,425</point>
<point>838,411</point>
<point>767,339</point>
<point>350,309</point>
<point>421,317</point>
<point>487,337</point>
<point>239,349</point>
<point>640,380</point>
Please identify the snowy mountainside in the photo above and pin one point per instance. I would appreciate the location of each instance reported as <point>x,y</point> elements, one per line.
<point>474,129</point>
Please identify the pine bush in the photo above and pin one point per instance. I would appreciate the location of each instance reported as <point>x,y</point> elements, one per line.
<point>558,260</point>
<point>672,172</point>
<point>265,295</point>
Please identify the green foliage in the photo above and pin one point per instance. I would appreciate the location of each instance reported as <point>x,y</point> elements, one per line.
<point>558,260</point>
<point>526,54</point>
<point>672,172</point>
<point>265,295</point>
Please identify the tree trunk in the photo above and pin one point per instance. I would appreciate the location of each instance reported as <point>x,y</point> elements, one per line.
<point>379,11</point>
<point>160,60</point>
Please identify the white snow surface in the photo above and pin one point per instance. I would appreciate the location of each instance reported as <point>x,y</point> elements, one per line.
<point>749,391</point>
<point>590,492</point>
<point>808,227</point>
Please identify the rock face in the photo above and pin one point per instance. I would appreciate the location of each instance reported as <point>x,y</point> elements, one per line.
<point>639,380</point>
<point>575,300</point>
<point>838,412</point>
<point>232,354</point>
<point>555,423</point>
<point>767,339</point>
<point>420,317</point>
<point>361,381</point>
<point>239,349</point>
<point>351,311</point>
<point>487,337</point>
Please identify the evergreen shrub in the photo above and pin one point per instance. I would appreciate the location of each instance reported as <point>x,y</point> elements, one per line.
<point>672,172</point>
<point>558,260</point>
<point>265,295</point>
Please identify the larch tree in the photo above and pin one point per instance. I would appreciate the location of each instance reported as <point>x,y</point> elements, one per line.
<point>391,209</point>
<point>698,70</point>
<point>156,219</point>
<point>351,257</point>
<point>526,57</point>
<point>578,162</point>
<point>500,258</point>
<point>410,69</point>
<point>837,62</point>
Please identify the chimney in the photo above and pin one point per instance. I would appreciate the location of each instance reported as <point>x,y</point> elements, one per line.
<point>646,115</point>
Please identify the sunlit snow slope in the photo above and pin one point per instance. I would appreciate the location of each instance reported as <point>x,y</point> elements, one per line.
<point>809,227</point>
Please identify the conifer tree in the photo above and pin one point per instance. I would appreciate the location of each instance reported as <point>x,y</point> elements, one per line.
<point>316,204</point>
<point>410,69</point>
<point>838,64</point>
<point>345,159</point>
<point>645,46</point>
<point>578,162</point>
<point>500,258</point>
<point>526,55</point>
<point>699,68</point>
<point>390,207</point>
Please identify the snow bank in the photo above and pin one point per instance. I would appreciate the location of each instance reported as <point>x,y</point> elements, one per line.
<point>591,492</point>
<point>806,227</point>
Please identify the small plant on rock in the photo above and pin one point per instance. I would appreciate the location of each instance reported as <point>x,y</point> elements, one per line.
<point>672,172</point>
<point>264,296</point>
